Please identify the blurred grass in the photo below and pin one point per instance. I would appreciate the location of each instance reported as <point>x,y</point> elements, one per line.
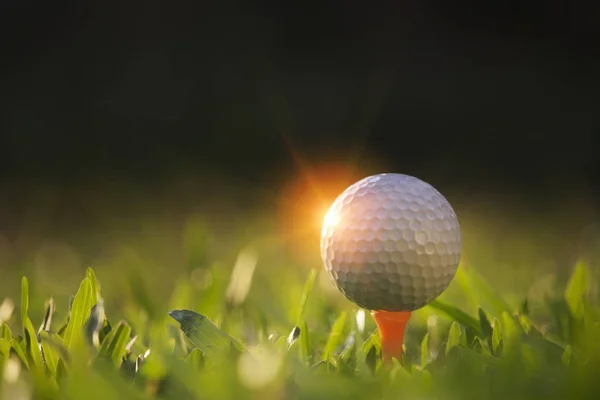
<point>517,315</point>
<point>454,354</point>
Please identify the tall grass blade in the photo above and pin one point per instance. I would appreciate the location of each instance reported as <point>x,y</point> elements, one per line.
<point>425,350</point>
<point>5,332</point>
<point>308,286</point>
<point>4,348</point>
<point>496,335</point>
<point>335,337</point>
<point>577,289</point>
<point>453,337</point>
<point>486,328</point>
<point>29,333</point>
<point>95,286</point>
<point>80,312</point>
<point>51,355</point>
<point>114,345</point>
<point>19,351</point>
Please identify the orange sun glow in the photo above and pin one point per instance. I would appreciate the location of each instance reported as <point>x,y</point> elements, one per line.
<point>305,202</point>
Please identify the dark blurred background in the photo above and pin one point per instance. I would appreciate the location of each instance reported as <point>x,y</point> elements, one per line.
<point>486,92</point>
<point>115,110</point>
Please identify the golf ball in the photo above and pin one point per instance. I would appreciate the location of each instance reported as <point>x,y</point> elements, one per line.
<point>391,242</point>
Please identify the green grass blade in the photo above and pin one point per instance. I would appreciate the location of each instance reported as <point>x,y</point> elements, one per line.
<point>305,345</point>
<point>484,323</point>
<point>496,335</point>
<point>453,337</point>
<point>458,315</point>
<point>527,324</point>
<point>105,343</point>
<point>5,332</point>
<point>369,350</point>
<point>577,289</point>
<point>80,312</point>
<point>335,337</point>
<point>55,341</point>
<point>95,287</point>
<point>308,286</point>
<point>115,343</point>
<point>425,350</point>
<point>205,335</point>
<point>511,333</point>
<point>4,347</point>
<point>33,346</point>
<point>18,350</point>
<point>51,355</point>
<point>195,358</point>
<point>24,299</point>
<point>349,350</point>
<point>483,347</point>
<point>29,333</point>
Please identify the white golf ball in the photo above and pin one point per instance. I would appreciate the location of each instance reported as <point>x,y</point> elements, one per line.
<point>391,242</point>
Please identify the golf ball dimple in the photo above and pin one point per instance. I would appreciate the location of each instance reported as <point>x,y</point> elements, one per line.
<point>391,242</point>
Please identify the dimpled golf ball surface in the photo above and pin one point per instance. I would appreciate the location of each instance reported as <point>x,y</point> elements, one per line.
<point>391,242</point>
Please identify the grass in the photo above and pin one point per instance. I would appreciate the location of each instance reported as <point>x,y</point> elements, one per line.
<point>179,306</point>
<point>304,348</point>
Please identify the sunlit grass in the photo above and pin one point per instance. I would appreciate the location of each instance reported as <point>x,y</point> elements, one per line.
<point>290,339</point>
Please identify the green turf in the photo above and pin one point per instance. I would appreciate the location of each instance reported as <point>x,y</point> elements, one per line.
<point>292,338</point>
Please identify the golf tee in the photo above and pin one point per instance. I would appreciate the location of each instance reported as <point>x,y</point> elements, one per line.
<point>391,327</point>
